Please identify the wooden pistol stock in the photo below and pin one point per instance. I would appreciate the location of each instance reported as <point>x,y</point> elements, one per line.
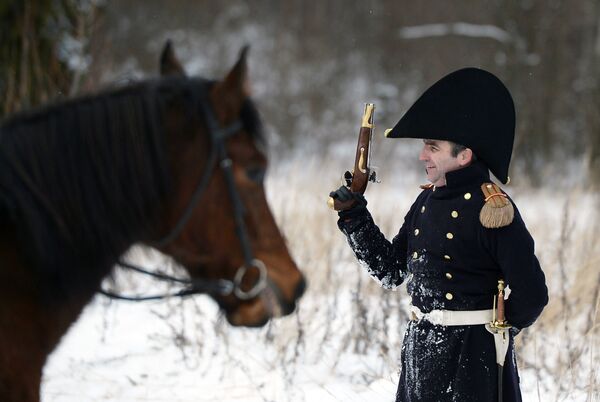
<point>361,172</point>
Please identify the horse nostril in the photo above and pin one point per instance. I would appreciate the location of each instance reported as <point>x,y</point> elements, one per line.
<point>300,288</point>
<point>288,307</point>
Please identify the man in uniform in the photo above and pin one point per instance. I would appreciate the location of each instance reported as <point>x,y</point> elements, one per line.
<point>460,237</point>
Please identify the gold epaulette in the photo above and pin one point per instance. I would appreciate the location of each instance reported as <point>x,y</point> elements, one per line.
<point>498,210</point>
<point>426,186</point>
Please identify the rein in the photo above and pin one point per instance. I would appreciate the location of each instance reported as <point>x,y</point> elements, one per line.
<point>222,287</point>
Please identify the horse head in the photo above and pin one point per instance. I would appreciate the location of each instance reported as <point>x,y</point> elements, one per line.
<point>231,233</point>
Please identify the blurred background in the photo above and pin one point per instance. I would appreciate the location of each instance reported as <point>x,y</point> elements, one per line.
<point>313,64</point>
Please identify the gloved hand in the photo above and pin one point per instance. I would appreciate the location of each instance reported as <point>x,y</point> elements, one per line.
<point>357,202</point>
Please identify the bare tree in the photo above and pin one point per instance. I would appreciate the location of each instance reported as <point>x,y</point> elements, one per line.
<point>43,50</point>
<point>592,104</point>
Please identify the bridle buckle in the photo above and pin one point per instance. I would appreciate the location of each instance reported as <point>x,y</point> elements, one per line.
<point>258,287</point>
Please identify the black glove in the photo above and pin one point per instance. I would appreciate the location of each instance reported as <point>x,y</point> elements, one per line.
<point>344,194</point>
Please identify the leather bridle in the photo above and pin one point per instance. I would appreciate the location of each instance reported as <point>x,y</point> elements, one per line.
<point>223,287</point>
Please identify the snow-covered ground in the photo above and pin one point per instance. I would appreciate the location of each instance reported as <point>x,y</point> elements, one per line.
<point>343,343</point>
<point>126,352</point>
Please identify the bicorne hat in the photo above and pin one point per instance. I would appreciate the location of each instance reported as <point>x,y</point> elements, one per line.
<point>471,107</point>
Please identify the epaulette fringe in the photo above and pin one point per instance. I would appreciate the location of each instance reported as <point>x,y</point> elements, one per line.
<point>498,210</point>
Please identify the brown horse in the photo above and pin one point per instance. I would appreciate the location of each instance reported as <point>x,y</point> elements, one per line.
<point>176,163</point>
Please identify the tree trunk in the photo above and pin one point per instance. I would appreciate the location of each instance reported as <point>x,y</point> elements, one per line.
<point>42,53</point>
<point>592,107</point>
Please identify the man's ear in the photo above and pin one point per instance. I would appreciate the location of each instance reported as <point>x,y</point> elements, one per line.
<point>465,157</point>
<point>169,64</point>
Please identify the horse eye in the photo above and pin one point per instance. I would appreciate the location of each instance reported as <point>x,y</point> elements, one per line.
<point>256,174</point>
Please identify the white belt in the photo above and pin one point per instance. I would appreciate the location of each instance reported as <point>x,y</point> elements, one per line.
<point>452,317</point>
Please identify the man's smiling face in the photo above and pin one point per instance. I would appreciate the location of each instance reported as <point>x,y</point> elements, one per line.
<point>438,159</point>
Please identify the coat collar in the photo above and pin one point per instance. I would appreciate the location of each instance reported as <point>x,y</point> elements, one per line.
<point>458,180</point>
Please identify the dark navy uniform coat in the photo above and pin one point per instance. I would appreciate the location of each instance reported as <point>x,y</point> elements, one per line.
<point>451,261</point>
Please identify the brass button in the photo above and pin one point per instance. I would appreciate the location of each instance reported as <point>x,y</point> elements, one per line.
<point>448,275</point>
<point>433,188</point>
<point>449,296</point>
<point>447,257</point>
<point>423,209</point>
<point>467,196</point>
<point>416,232</point>
<point>454,214</point>
<point>449,236</point>
<point>415,255</point>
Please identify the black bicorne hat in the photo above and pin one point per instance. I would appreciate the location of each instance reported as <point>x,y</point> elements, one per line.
<point>471,107</point>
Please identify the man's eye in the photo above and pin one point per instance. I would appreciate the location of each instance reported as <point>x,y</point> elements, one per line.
<point>256,174</point>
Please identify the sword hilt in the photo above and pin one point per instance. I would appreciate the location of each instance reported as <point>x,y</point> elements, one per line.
<point>499,320</point>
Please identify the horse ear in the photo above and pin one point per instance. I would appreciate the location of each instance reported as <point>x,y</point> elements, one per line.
<point>169,64</point>
<point>230,93</point>
<point>237,78</point>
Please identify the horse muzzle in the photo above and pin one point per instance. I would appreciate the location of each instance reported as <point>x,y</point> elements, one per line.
<point>265,300</point>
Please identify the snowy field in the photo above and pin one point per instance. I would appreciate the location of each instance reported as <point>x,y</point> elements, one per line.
<point>343,343</point>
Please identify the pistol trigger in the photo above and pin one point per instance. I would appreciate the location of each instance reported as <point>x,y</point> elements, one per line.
<point>347,178</point>
<point>373,177</point>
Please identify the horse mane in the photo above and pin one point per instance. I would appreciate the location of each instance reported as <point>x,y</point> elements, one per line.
<point>82,180</point>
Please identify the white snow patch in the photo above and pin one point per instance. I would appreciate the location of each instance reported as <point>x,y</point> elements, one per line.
<point>457,28</point>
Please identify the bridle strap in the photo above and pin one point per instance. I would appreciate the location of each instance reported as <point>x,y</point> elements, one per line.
<point>216,140</point>
<point>154,274</point>
<point>197,286</point>
<point>221,287</point>
<point>208,287</point>
<point>219,135</point>
<point>238,207</point>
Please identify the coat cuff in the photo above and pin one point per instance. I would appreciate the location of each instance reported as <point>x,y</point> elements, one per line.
<point>352,219</point>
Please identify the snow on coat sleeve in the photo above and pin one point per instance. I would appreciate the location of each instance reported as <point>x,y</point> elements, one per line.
<point>513,248</point>
<point>384,260</point>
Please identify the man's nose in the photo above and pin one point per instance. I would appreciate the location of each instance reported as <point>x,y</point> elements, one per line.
<point>422,156</point>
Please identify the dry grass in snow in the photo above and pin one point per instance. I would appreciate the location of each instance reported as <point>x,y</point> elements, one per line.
<point>344,341</point>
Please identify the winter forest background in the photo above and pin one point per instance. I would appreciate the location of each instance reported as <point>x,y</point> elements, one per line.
<point>313,64</point>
